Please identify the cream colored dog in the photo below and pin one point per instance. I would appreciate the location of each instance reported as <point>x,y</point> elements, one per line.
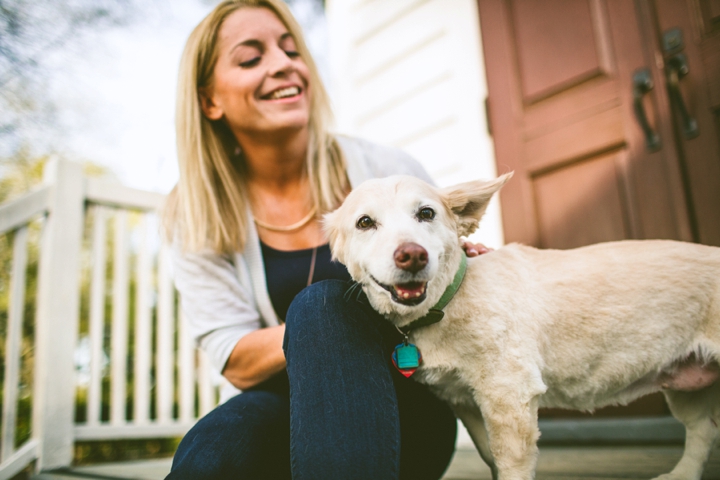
<point>578,329</point>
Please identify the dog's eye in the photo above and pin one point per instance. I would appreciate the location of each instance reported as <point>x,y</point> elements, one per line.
<point>425,214</point>
<point>365,223</point>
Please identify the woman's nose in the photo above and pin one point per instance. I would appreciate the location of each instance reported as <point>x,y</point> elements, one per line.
<point>279,63</point>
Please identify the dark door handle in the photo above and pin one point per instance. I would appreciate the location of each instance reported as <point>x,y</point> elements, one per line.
<point>642,84</point>
<point>677,68</point>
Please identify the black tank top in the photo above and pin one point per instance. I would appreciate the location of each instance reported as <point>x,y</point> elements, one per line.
<point>286,273</point>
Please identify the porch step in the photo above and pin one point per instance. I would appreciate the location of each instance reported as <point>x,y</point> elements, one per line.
<point>588,463</point>
<point>137,470</point>
<point>569,463</point>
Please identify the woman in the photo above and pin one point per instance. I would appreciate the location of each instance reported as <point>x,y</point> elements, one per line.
<point>257,170</point>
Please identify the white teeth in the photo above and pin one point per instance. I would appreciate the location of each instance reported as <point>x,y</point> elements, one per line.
<point>417,294</point>
<point>406,295</point>
<point>285,92</point>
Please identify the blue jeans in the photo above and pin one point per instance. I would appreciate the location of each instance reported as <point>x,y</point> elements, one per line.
<point>349,414</point>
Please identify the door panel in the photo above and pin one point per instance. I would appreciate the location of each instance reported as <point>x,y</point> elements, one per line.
<point>699,156</point>
<point>559,147</point>
<point>588,189</point>
<point>551,59</point>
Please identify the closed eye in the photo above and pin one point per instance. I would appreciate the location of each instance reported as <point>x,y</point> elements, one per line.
<point>254,61</point>
<point>250,63</point>
<point>287,43</point>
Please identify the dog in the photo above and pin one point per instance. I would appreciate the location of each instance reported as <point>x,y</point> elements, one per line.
<point>529,328</point>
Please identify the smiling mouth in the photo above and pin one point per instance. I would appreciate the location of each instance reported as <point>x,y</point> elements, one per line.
<point>282,93</point>
<point>410,293</point>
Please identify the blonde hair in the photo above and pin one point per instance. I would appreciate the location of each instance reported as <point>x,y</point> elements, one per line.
<point>207,209</point>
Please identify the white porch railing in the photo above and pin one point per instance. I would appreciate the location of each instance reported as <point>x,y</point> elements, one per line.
<point>107,343</point>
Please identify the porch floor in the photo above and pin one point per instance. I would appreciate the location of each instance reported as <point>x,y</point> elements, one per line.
<point>567,463</point>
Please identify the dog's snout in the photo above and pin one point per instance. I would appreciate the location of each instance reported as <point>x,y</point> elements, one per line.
<point>411,257</point>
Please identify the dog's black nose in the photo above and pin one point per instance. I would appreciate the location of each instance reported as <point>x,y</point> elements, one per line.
<point>411,257</point>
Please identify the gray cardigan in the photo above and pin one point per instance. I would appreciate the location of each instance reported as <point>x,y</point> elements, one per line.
<point>223,298</point>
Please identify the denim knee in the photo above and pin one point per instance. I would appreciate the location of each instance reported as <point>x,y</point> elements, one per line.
<point>326,291</point>
<point>302,318</point>
<point>247,437</point>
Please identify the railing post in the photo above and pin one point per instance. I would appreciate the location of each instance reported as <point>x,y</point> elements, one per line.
<point>57,315</point>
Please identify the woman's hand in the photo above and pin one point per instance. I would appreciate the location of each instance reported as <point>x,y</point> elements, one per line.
<point>475,249</point>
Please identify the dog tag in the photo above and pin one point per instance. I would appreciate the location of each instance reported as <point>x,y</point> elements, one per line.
<point>406,358</point>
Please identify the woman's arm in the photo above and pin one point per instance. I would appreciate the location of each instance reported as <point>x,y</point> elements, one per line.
<point>221,316</point>
<point>256,357</point>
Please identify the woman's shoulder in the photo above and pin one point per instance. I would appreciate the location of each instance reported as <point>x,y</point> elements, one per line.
<point>370,160</point>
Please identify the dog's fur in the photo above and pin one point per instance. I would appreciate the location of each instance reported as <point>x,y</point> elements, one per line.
<point>577,329</point>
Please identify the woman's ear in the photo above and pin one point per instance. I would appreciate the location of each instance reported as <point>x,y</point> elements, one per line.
<point>210,109</point>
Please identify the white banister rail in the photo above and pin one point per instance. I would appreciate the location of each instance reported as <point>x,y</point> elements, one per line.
<point>119,330</point>
<point>112,360</point>
<point>186,373</point>
<point>19,212</point>
<point>165,335</point>
<point>97,312</point>
<point>112,194</point>
<point>13,340</point>
<point>143,326</point>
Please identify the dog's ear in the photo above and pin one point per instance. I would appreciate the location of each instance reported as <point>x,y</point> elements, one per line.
<point>334,235</point>
<point>470,200</point>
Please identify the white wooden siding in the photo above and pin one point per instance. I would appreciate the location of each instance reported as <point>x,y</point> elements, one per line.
<point>410,74</point>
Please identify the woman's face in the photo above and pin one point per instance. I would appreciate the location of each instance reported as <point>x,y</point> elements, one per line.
<point>260,83</point>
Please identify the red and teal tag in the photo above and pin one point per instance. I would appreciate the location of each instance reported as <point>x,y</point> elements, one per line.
<point>406,358</point>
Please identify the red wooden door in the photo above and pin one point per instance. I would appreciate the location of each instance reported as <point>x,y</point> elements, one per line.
<point>569,82</point>
<point>696,100</point>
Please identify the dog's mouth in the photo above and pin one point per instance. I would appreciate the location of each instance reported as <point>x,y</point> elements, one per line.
<point>410,293</point>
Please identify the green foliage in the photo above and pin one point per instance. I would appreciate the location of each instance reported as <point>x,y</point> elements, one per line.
<point>20,173</point>
<point>88,453</point>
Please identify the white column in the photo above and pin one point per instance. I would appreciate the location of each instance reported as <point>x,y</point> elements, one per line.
<point>57,315</point>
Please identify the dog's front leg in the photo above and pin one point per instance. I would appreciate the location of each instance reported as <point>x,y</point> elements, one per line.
<point>473,421</point>
<point>511,424</point>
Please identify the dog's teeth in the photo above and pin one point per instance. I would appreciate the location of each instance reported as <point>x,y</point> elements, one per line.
<point>417,294</point>
<point>406,295</point>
